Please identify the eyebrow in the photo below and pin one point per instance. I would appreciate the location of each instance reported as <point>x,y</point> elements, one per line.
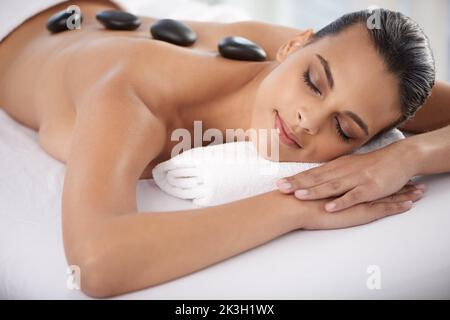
<point>326,68</point>
<point>330,79</point>
<point>358,121</point>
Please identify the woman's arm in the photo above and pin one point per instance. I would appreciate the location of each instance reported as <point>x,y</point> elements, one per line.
<point>433,151</point>
<point>434,114</point>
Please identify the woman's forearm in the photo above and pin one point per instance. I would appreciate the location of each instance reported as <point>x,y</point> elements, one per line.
<point>434,114</point>
<point>432,151</point>
<point>136,251</point>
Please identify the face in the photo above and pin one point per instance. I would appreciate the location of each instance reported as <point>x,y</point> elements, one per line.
<point>330,96</point>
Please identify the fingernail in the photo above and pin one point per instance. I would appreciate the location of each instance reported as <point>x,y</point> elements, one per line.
<point>407,204</point>
<point>284,185</point>
<point>301,193</point>
<point>419,192</point>
<point>330,206</point>
<point>421,187</point>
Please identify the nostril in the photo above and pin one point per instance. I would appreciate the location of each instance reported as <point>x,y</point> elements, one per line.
<point>299,116</point>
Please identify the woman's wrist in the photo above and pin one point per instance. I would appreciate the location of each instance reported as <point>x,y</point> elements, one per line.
<point>432,151</point>
<point>287,207</point>
<point>413,154</point>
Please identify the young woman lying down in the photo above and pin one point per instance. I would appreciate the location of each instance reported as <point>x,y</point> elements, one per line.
<point>106,102</point>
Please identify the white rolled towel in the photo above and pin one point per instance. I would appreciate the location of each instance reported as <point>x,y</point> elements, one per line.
<point>223,173</point>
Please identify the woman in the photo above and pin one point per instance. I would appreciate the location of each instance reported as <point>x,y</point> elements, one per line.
<point>105,103</point>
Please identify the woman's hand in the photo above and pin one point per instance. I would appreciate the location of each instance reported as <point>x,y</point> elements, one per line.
<point>356,178</point>
<point>314,217</point>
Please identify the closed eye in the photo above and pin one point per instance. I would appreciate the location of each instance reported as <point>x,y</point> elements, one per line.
<point>316,91</point>
<point>310,84</point>
<point>341,132</point>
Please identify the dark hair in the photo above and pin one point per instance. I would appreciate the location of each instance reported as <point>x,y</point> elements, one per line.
<point>404,48</point>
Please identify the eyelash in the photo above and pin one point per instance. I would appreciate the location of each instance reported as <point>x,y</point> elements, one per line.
<point>307,80</point>
<point>341,133</point>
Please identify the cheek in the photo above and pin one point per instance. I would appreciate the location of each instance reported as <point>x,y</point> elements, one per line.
<point>267,90</point>
<point>277,87</point>
<point>266,99</point>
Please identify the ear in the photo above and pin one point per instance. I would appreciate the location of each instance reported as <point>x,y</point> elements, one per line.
<point>293,44</point>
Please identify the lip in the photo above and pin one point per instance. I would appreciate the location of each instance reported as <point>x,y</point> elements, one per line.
<point>285,133</point>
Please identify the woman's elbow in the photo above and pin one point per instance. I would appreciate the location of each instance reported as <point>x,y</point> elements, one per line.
<point>105,273</point>
<point>95,282</point>
<point>108,261</point>
<point>95,275</point>
<point>92,273</point>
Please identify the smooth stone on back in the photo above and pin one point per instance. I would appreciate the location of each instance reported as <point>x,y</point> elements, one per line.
<point>58,22</point>
<point>239,48</point>
<point>173,31</point>
<point>118,20</point>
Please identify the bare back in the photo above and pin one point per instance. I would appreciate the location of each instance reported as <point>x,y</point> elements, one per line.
<point>47,67</point>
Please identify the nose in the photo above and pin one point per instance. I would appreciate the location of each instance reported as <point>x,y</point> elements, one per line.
<point>308,123</point>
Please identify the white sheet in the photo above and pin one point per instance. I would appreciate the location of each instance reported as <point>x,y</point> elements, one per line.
<point>412,250</point>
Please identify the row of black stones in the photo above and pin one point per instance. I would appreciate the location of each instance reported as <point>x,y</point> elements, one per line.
<point>168,30</point>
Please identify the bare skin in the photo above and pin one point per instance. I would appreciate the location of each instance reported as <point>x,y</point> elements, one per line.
<point>111,124</point>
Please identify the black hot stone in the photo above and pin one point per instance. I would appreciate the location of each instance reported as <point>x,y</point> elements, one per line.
<point>239,48</point>
<point>173,31</point>
<point>58,21</point>
<point>118,20</point>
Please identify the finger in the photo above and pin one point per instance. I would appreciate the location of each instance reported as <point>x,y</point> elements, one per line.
<point>411,195</point>
<point>363,214</point>
<point>359,195</point>
<point>422,187</point>
<point>306,179</point>
<point>328,189</point>
<point>384,209</point>
<point>351,198</point>
<point>418,186</point>
<point>407,188</point>
<point>413,187</point>
<point>336,187</point>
